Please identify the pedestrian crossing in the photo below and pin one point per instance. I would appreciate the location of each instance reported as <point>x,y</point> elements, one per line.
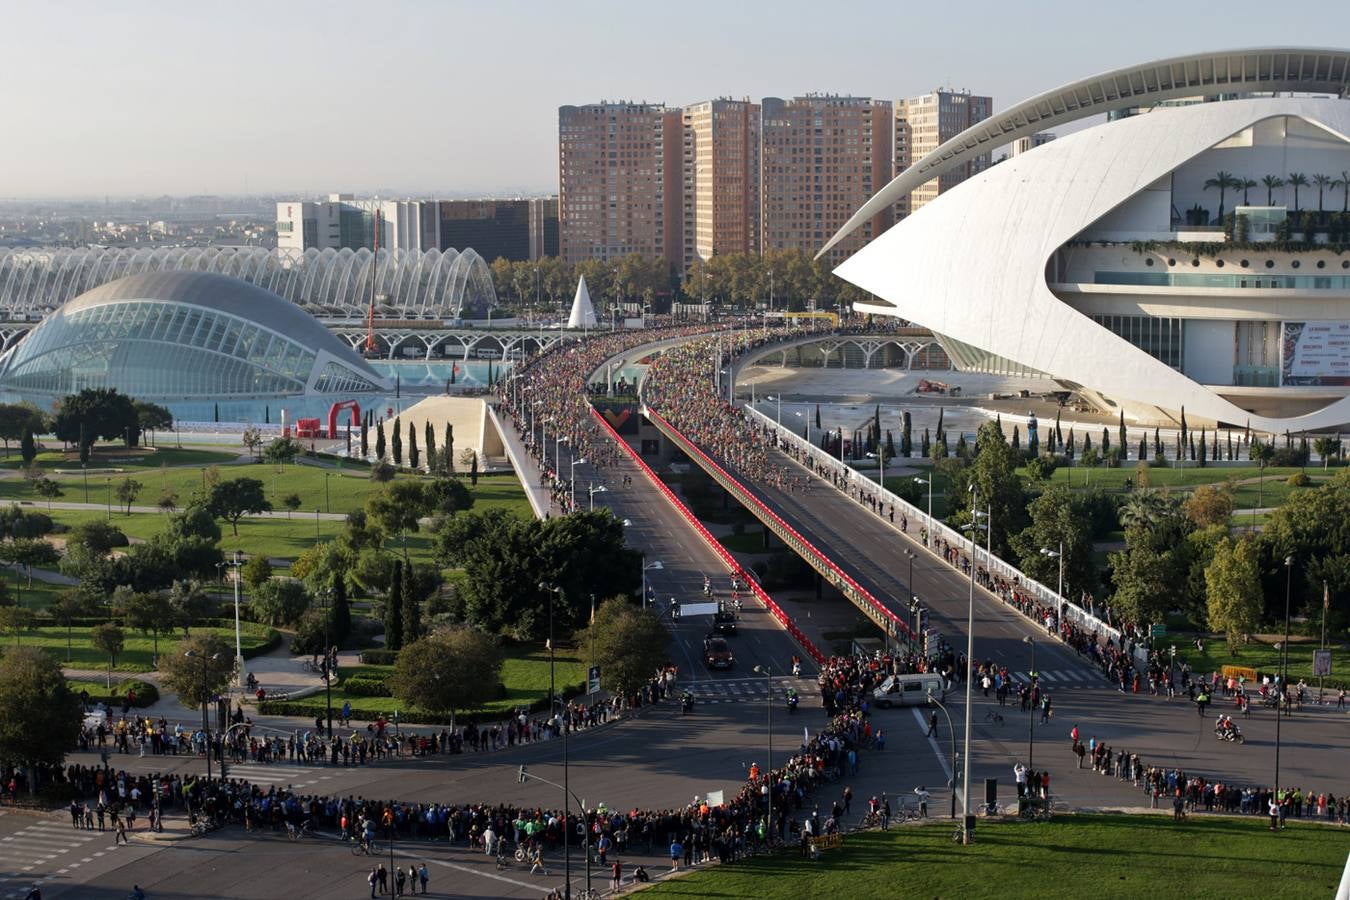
<point>739,690</point>
<point>277,773</point>
<point>46,850</point>
<point>1060,678</point>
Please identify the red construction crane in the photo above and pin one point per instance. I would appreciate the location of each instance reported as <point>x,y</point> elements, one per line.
<point>374,277</point>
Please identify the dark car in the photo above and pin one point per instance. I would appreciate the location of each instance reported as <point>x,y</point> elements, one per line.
<point>717,654</point>
<point>725,623</point>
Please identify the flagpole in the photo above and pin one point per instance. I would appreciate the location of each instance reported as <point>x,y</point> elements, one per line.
<point>1326,601</point>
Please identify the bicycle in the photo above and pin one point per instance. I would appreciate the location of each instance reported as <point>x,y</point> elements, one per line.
<point>1037,811</point>
<point>993,716</point>
<point>303,830</point>
<point>365,848</point>
<point>871,820</point>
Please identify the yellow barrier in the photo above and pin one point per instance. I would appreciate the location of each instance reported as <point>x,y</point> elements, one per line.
<point>1239,672</point>
<point>828,842</point>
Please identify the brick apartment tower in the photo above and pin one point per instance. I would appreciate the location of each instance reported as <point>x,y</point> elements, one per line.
<point>921,125</point>
<point>721,179</point>
<point>619,177</point>
<point>823,156</point>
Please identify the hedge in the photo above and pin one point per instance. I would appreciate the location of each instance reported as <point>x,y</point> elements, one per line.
<point>309,709</point>
<point>146,694</point>
<point>366,686</point>
<point>379,657</point>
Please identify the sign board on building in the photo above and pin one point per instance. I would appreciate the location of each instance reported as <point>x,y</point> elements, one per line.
<point>1159,631</point>
<point>1316,353</point>
<point>1321,663</point>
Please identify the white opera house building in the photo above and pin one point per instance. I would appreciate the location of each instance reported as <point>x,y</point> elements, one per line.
<point>1192,250</point>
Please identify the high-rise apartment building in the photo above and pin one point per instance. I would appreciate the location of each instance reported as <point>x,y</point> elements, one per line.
<point>822,157</point>
<point>721,198</point>
<point>1022,145</point>
<point>517,229</point>
<point>922,124</point>
<point>620,176</point>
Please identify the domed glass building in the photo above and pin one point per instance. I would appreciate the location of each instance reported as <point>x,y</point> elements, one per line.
<point>184,337</point>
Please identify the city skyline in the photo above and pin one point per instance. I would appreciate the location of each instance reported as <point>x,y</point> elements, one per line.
<point>143,100</point>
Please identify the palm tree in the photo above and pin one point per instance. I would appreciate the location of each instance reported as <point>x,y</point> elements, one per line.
<point>1343,182</point>
<point>1296,181</point>
<point>1246,184</point>
<point>1223,181</point>
<point>1271,182</point>
<point>1322,182</point>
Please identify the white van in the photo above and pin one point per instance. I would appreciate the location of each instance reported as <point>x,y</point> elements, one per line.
<point>908,690</point>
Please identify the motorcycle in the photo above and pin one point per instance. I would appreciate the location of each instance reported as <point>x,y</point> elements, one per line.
<point>792,699</point>
<point>796,668</point>
<point>1233,736</point>
<point>686,704</point>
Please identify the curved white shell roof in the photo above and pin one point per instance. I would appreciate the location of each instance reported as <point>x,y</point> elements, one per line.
<point>973,264</point>
<point>1262,69</point>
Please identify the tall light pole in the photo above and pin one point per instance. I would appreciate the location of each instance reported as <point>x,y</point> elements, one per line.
<point>968,823</point>
<point>572,480</point>
<point>768,761</point>
<point>1059,555</point>
<point>1031,739</point>
<point>653,566</point>
<point>593,490</point>
<point>928,530</point>
<point>552,706</point>
<point>1284,669</point>
<point>206,725</point>
<point>242,676</point>
<point>951,734</point>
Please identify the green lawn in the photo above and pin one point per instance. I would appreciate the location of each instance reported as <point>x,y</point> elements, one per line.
<point>1095,856</point>
<point>525,672</point>
<point>752,541</point>
<point>1262,656</point>
<point>138,650</point>
<point>114,457</point>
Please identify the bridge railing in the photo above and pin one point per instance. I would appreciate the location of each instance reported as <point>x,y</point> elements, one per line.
<point>937,531</point>
<point>736,568</point>
<point>878,612</point>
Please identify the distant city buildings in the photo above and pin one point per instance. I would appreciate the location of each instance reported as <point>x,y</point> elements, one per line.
<point>517,229</point>
<point>734,176</point>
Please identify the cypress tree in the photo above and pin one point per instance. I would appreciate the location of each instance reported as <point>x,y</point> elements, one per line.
<point>431,445</point>
<point>413,454</point>
<point>1087,442</point>
<point>1124,441</point>
<point>342,611</point>
<point>449,449</point>
<point>1016,441</point>
<point>1191,447</point>
<point>393,610</point>
<point>1157,441</point>
<point>1201,458</point>
<point>365,440</point>
<point>28,447</point>
<point>396,442</point>
<point>379,440</point>
<point>817,416</point>
<point>906,437</point>
<point>1069,448</point>
<point>1143,446</point>
<point>1059,433</point>
<point>1183,425</point>
<point>924,446</point>
<point>937,432</point>
<point>1230,446</point>
<point>1106,441</point>
<point>963,449</point>
<point>412,612</point>
<point>473,471</point>
<point>890,445</point>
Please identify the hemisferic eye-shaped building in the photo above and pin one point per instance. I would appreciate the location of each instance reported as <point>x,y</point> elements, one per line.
<point>1191,252</point>
<point>171,337</point>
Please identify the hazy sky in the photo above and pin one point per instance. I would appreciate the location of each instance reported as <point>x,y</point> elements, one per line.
<point>448,97</point>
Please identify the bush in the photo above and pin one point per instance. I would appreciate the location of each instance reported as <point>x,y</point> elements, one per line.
<point>312,632</point>
<point>379,657</point>
<point>367,686</point>
<point>1299,479</point>
<point>310,709</point>
<point>1289,457</point>
<point>146,693</point>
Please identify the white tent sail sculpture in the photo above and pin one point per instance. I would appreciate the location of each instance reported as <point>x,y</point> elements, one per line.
<point>583,313</point>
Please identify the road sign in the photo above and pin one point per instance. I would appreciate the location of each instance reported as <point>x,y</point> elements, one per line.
<point>1159,631</point>
<point>593,680</point>
<point>1321,663</point>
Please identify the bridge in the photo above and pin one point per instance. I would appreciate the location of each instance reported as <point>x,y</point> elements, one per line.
<point>906,347</point>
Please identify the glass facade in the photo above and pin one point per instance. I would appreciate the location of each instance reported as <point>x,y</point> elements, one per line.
<point>1159,337</point>
<point>1243,280</point>
<point>158,349</point>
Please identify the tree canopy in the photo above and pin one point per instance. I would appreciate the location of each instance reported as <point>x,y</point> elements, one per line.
<point>627,642</point>
<point>102,413</point>
<point>39,713</point>
<point>238,497</point>
<point>449,670</point>
<point>199,677</point>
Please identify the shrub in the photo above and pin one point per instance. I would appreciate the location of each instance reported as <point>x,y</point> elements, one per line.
<point>379,657</point>
<point>1299,479</point>
<point>367,686</point>
<point>146,693</point>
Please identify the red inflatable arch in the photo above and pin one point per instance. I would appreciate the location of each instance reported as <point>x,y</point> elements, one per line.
<point>333,416</point>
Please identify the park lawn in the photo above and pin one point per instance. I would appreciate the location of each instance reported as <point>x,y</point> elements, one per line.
<point>107,456</point>
<point>904,485</point>
<point>1104,856</point>
<point>1082,477</point>
<point>138,650</point>
<point>1263,656</point>
<point>752,541</point>
<point>39,596</point>
<point>525,673</point>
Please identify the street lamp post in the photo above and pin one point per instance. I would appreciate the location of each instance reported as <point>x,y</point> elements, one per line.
<point>572,480</point>
<point>552,706</point>
<point>768,761</point>
<point>928,526</point>
<point>327,497</point>
<point>1059,555</point>
<point>968,823</point>
<point>1284,670</point>
<point>594,489</point>
<point>914,608</point>
<point>1031,722</point>
<point>951,734</point>
<point>327,661</point>
<point>108,482</point>
<point>317,536</point>
<point>653,566</point>
<point>234,563</point>
<point>206,724</point>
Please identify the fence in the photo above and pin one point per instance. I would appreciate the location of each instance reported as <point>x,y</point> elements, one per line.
<point>736,569</point>
<point>937,531</point>
<point>878,612</point>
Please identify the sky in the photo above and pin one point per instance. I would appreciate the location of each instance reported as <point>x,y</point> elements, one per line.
<point>420,98</point>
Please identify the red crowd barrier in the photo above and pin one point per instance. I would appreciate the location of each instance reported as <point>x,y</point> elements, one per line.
<point>748,497</point>
<point>730,561</point>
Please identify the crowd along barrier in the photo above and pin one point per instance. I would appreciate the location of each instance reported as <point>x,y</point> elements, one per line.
<point>884,617</point>
<point>938,531</point>
<point>730,561</point>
